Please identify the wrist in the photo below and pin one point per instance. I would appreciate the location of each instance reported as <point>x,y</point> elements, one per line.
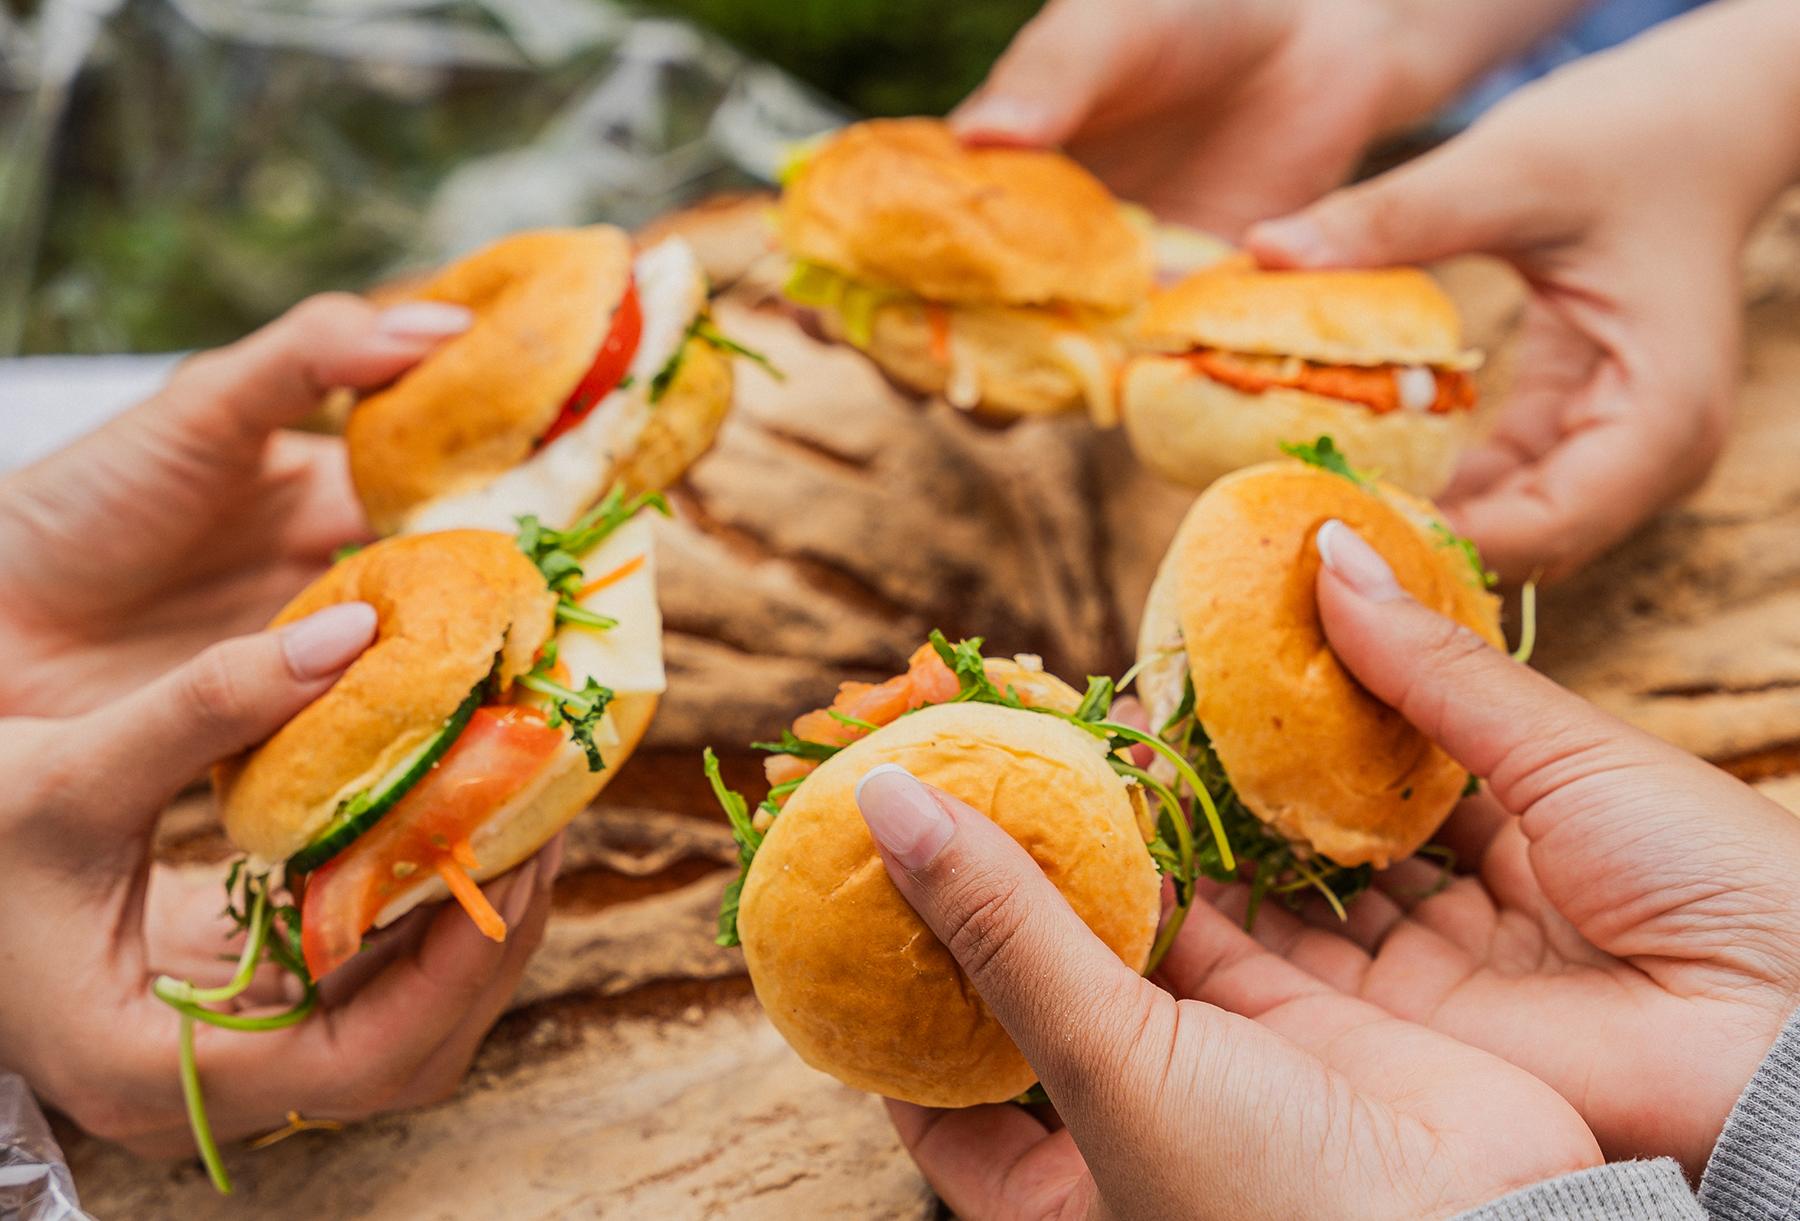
<point>1439,48</point>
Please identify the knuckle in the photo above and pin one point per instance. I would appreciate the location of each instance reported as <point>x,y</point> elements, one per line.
<point>213,692</point>
<point>324,312</point>
<point>990,916</point>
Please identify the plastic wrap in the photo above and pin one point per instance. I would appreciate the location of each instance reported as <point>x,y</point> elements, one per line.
<point>34,1180</point>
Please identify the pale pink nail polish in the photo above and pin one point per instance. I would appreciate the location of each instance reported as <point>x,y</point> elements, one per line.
<point>326,641</point>
<point>1356,563</point>
<point>903,816</point>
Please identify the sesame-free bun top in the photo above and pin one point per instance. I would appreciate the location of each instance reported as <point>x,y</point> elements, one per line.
<point>543,301</point>
<point>1308,750</point>
<point>447,605</point>
<point>848,973</point>
<point>903,204</point>
<point>1395,315</point>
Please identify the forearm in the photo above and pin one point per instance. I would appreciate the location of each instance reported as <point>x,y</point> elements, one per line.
<point>1444,46</point>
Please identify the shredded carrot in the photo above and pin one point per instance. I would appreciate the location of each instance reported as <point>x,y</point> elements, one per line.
<point>618,574</point>
<point>453,869</point>
<point>937,318</point>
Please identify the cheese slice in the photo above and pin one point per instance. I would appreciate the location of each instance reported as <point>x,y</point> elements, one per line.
<point>559,482</point>
<point>627,658</point>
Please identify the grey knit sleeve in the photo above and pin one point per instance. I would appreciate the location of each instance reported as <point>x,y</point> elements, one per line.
<point>1754,1174</point>
<point>1621,1191</point>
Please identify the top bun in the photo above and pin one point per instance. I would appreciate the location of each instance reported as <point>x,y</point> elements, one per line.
<point>1308,750</point>
<point>1397,315</point>
<point>543,302</point>
<point>902,203</point>
<point>448,605</point>
<point>849,973</point>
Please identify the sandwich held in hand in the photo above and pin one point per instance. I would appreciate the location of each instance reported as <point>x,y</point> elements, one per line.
<point>585,368</point>
<point>1000,278</point>
<point>1316,780</point>
<point>842,965</point>
<point>1245,360</point>
<point>509,678</point>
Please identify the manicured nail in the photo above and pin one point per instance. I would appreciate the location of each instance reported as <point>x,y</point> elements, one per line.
<point>523,887</point>
<point>903,816</point>
<point>326,641</point>
<point>424,320</point>
<point>1356,563</point>
<point>1293,239</point>
<point>999,119</point>
<point>550,860</point>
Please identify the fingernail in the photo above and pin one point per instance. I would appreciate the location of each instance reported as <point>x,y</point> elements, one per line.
<point>999,116</point>
<point>903,816</point>
<point>523,887</point>
<point>1295,239</point>
<point>550,860</point>
<point>326,641</point>
<point>1356,563</point>
<point>424,320</point>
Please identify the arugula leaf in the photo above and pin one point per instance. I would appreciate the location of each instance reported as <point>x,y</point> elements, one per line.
<point>1324,454</point>
<point>965,661</point>
<point>704,329</point>
<point>346,551</point>
<point>800,748</point>
<point>665,376</point>
<point>581,710</point>
<point>747,838</point>
<point>1447,537</point>
<point>557,553</point>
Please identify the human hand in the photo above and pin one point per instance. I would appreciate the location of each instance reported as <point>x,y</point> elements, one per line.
<point>86,921</point>
<point>1246,1089</point>
<point>192,516</point>
<point>1629,906</point>
<point>1221,113</point>
<point>1618,200</point>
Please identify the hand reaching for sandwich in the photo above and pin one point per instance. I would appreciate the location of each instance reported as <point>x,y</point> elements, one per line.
<point>1616,198</point>
<point>86,921</point>
<point>194,515</point>
<point>1243,1087</point>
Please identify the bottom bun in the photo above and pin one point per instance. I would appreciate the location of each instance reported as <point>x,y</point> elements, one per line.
<point>1192,429</point>
<point>846,971</point>
<point>532,819</point>
<point>1005,361</point>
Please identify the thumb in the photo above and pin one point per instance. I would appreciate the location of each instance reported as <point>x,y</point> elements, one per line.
<point>155,741</point>
<point>1054,73</point>
<point>1503,721</point>
<point>1450,201</point>
<point>1072,1007</point>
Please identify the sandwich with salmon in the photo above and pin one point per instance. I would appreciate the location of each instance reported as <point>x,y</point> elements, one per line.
<point>509,678</point>
<point>587,367</point>
<point>843,967</point>
<point>1003,279</point>
<point>1239,361</point>
<point>1317,782</point>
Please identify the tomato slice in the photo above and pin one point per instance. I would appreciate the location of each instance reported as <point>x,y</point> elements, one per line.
<point>608,369</point>
<point>496,756</point>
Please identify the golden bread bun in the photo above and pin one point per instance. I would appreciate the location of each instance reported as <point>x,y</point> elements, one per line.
<point>901,203</point>
<point>1396,315</point>
<point>543,302</point>
<point>847,972</point>
<point>683,422</point>
<point>448,605</point>
<point>1191,428</point>
<point>526,823</point>
<point>1308,750</point>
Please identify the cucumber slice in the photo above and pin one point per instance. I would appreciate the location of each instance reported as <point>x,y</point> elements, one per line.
<point>364,809</point>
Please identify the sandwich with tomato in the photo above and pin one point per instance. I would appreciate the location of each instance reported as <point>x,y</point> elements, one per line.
<point>586,368</point>
<point>510,676</point>
<point>1239,361</point>
<point>1316,781</point>
<point>846,971</point>
<point>1002,278</point>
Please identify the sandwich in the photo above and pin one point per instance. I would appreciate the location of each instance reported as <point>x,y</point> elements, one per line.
<point>1239,361</point>
<point>510,677</point>
<point>586,368</point>
<point>1001,278</point>
<point>1316,781</point>
<point>846,971</point>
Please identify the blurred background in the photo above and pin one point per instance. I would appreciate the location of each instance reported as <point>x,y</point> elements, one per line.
<point>175,172</point>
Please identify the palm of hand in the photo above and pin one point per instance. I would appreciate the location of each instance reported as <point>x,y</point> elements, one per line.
<point>1580,973</point>
<point>209,550</point>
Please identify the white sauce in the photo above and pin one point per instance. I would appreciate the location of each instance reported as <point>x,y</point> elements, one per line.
<point>1417,387</point>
